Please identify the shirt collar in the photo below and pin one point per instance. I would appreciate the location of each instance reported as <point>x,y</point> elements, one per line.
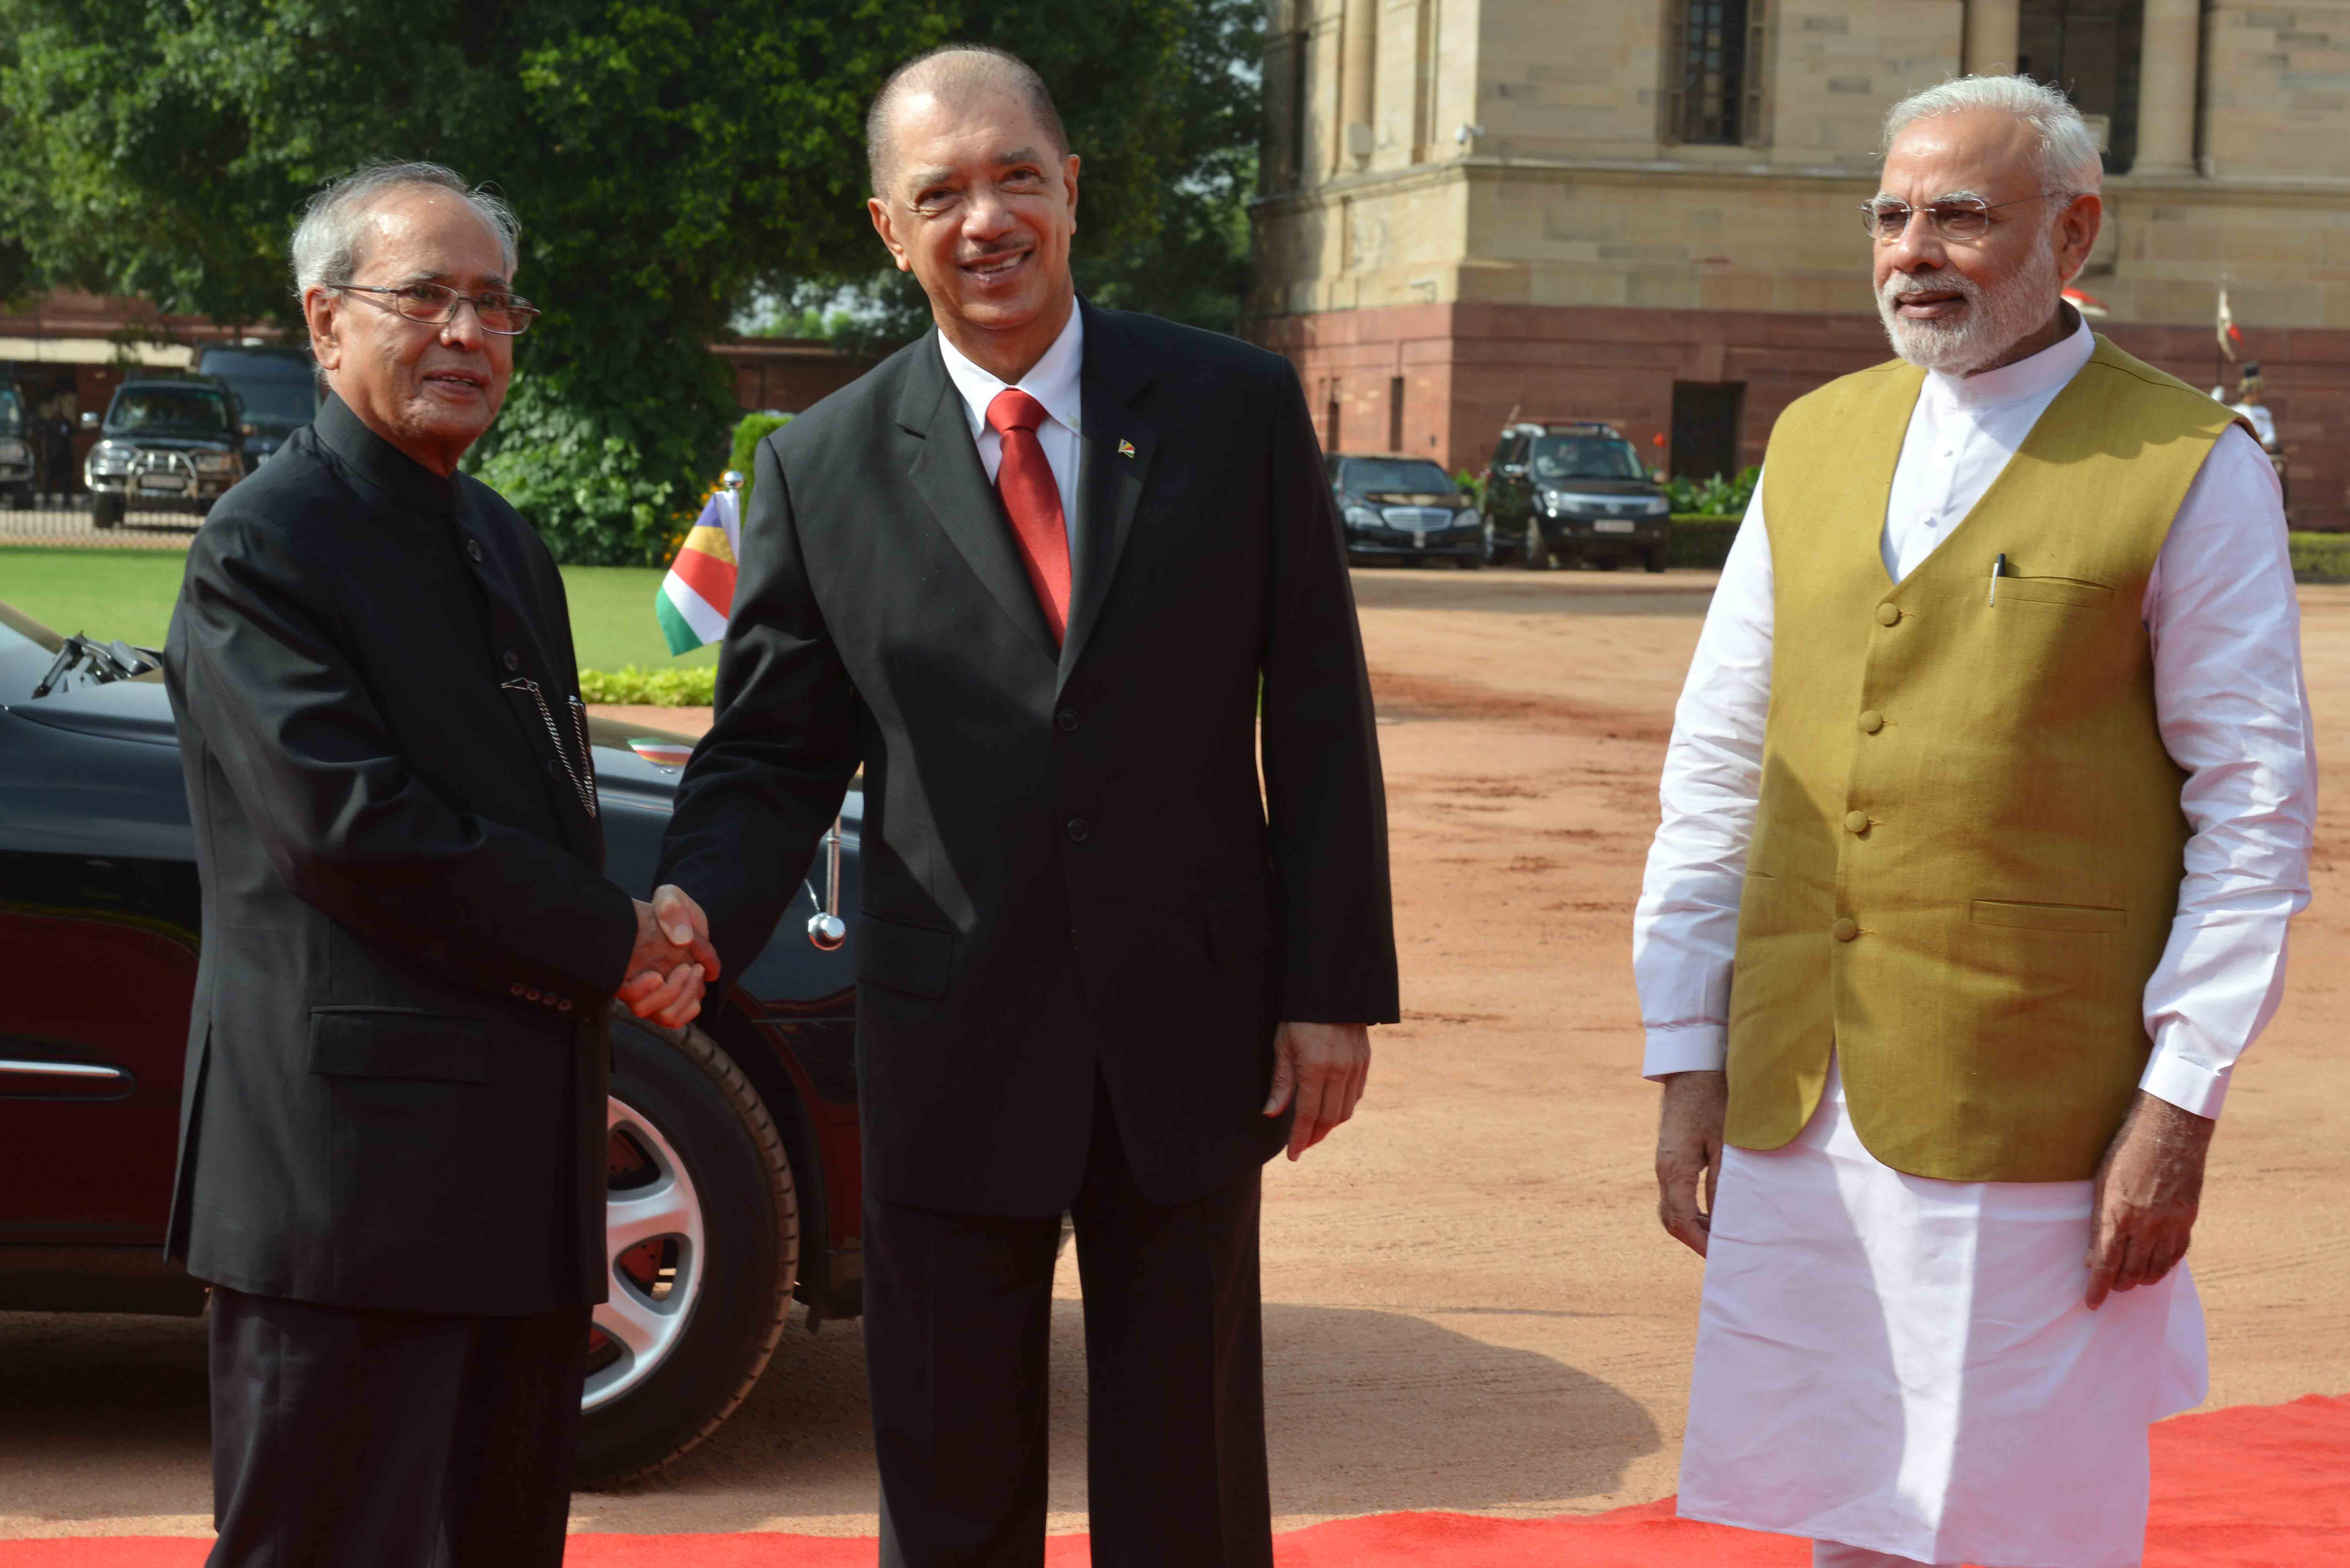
<point>2038,375</point>
<point>1053,381</point>
<point>382,464</point>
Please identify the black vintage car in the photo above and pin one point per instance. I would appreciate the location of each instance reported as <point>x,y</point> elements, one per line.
<point>1404,509</point>
<point>165,445</point>
<point>734,1146</point>
<point>1571,494</point>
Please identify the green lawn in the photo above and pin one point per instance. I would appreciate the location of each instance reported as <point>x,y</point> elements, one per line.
<point>128,594</point>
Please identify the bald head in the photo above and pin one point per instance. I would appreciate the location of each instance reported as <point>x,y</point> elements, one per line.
<point>955,74</point>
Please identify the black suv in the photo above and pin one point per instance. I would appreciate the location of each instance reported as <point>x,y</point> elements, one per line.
<point>1571,493</point>
<point>1405,508</point>
<point>166,446</point>
<point>276,387</point>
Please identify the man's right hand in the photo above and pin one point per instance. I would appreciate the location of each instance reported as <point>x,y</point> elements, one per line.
<point>672,960</point>
<point>1688,1147</point>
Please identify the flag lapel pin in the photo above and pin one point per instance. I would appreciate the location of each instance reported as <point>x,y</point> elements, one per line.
<point>1126,449</point>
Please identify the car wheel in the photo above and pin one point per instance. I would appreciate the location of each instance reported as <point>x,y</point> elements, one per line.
<point>1495,550</point>
<point>702,1231</point>
<point>1467,561</point>
<point>106,511</point>
<point>1657,557</point>
<point>1537,549</point>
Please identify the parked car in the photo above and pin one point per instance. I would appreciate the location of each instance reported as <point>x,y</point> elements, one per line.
<point>1404,508</point>
<point>276,385</point>
<point>15,449</point>
<point>733,1144</point>
<point>165,445</point>
<point>1572,493</point>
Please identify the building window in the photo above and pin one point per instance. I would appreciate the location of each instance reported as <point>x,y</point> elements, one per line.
<point>1713,89</point>
<point>1395,413</point>
<point>1288,58</point>
<point>2089,50</point>
<point>1330,420</point>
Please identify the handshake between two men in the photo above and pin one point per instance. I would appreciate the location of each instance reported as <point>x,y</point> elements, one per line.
<point>673,960</point>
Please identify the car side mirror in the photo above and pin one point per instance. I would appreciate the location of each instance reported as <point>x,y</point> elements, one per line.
<point>89,418</point>
<point>1511,470</point>
<point>1656,476</point>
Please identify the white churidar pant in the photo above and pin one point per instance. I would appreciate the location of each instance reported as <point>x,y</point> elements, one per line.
<point>1907,1365</point>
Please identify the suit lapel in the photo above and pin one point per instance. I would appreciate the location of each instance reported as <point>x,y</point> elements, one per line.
<point>947,474</point>
<point>1113,467</point>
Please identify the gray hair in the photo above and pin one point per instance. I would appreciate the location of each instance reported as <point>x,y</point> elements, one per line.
<point>2067,161</point>
<point>325,242</point>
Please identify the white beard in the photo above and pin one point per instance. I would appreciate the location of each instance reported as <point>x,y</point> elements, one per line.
<point>1994,321</point>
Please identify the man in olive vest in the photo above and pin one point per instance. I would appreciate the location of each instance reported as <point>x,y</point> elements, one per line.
<point>1989,799</point>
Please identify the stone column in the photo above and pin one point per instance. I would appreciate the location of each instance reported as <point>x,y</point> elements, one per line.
<point>1359,38</point>
<point>2166,89</point>
<point>1989,49</point>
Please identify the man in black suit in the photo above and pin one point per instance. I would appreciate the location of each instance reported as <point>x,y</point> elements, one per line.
<point>1051,576</point>
<point>392,1157</point>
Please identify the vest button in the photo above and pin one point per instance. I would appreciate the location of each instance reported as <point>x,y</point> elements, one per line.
<point>1067,720</point>
<point>1845,929</point>
<point>1871,721</point>
<point>1857,821</point>
<point>1079,830</point>
<point>1888,615</point>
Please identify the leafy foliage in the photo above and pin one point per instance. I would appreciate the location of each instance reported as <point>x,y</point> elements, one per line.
<point>687,686</point>
<point>1714,497</point>
<point>669,159</point>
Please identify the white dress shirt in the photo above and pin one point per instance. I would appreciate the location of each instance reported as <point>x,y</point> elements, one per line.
<point>1053,381</point>
<point>2229,698</point>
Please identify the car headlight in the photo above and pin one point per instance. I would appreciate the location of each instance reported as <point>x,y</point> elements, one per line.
<point>1661,507</point>
<point>1473,518</point>
<point>1364,517</point>
<point>15,450</point>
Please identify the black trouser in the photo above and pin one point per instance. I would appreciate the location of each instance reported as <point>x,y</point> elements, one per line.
<point>958,1328</point>
<point>382,1439</point>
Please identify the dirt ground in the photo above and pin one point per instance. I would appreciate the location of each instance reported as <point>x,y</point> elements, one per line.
<point>1468,1303</point>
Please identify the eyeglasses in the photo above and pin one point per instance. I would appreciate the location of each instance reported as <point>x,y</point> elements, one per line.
<point>435,305</point>
<point>1959,218</point>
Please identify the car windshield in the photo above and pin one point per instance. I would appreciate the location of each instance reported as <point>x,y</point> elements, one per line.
<point>12,412</point>
<point>168,410</point>
<point>1586,457</point>
<point>285,403</point>
<point>1419,478</point>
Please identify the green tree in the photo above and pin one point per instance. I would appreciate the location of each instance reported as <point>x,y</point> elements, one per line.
<point>668,160</point>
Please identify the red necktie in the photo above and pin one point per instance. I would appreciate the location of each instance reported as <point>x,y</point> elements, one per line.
<point>1032,501</point>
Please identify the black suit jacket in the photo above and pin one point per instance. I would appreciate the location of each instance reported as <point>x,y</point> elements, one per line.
<point>396,1066</point>
<point>1068,865</point>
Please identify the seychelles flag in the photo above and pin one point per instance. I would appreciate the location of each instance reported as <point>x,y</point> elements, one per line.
<point>697,595</point>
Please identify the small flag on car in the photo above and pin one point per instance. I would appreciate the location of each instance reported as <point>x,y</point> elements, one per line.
<point>697,595</point>
<point>661,753</point>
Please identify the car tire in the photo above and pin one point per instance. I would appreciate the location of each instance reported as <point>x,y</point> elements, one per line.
<point>693,1147</point>
<point>1467,562</point>
<point>1538,556</point>
<point>106,511</point>
<point>1659,557</point>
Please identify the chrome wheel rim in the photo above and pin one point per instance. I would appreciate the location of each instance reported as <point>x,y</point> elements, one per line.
<point>657,1216</point>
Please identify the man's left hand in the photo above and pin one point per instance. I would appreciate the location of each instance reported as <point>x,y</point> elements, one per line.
<point>1323,1066</point>
<point>2147,1194</point>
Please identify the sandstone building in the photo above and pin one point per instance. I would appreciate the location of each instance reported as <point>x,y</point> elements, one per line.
<point>1644,211</point>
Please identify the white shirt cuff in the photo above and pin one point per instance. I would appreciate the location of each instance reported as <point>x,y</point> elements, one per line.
<point>1686,1048</point>
<point>2190,1086</point>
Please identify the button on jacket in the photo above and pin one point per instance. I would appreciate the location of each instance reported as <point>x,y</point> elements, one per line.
<point>396,1063</point>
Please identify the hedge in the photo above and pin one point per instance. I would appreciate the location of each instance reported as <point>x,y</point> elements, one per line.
<point>2321,557</point>
<point>689,686</point>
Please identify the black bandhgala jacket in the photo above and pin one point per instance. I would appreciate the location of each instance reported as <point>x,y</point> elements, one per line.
<point>1069,868</point>
<point>397,1064</point>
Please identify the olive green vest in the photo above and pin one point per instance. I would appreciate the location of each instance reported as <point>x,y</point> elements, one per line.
<point>1969,844</point>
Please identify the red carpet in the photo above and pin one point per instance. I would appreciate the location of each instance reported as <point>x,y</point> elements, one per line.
<point>2254,1487</point>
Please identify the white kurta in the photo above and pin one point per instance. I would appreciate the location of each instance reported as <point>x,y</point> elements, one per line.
<point>1905,1363</point>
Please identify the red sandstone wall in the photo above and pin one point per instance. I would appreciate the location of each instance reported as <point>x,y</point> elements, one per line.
<point>1465,368</point>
